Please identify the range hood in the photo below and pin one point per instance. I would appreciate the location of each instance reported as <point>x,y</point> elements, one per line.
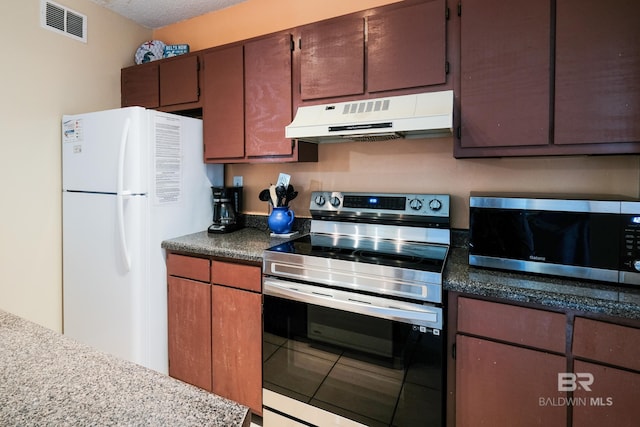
<point>408,116</point>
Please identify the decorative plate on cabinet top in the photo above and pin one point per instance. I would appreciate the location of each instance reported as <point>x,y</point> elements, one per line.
<point>149,51</point>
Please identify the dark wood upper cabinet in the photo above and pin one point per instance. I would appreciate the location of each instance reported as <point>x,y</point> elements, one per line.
<point>139,86</point>
<point>391,50</point>
<point>248,102</point>
<point>268,103</point>
<point>169,84</point>
<point>179,82</point>
<point>223,105</point>
<point>597,72</point>
<point>548,78</point>
<point>505,73</point>
<point>406,47</point>
<point>332,58</point>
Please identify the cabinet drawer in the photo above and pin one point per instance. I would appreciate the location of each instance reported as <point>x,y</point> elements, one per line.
<point>518,325</point>
<point>187,266</point>
<point>237,275</point>
<point>606,342</point>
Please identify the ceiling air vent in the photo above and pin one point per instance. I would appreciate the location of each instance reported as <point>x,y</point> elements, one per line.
<point>63,20</point>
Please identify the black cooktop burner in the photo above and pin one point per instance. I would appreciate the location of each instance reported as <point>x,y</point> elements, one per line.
<point>407,255</point>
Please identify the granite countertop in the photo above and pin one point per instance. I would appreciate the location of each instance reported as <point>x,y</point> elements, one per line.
<point>249,243</point>
<point>49,379</point>
<point>246,244</point>
<point>553,292</point>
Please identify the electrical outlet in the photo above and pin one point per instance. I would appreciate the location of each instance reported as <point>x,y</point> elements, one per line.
<point>237,181</point>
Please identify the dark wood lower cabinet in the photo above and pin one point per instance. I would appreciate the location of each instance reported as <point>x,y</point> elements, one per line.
<point>215,327</point>
<point>189,311</point>
<point>612,399</point>
<point>525,365</point>
<point>236,330</point>
<point>500,384</point>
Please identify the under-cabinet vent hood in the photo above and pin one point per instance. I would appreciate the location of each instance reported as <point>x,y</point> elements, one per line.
<point>421,115</point>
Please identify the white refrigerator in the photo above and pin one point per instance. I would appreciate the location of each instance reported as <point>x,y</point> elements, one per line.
<point>131,178</point>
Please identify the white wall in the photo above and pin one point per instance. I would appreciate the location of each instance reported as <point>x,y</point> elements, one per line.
<point>45,75</point>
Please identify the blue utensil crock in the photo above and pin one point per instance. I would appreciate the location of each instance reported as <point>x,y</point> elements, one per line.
<point>281,219</point>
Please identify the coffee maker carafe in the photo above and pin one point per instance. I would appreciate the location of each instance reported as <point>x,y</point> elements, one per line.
<point>226,206</point>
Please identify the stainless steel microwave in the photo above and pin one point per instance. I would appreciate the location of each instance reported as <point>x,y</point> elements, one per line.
<point>579,236</point>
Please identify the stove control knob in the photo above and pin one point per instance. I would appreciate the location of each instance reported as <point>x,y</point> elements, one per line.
<point>415,204</point>
<point>335,202</point>
<point>435,205</point>
<point>320,200</point>
<point>636,265</point>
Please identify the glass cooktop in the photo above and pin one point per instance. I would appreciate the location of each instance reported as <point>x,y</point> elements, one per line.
<point>382,252</point>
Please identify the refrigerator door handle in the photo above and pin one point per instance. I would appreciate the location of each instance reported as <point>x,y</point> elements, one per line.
<point>121,156</point>
<point>121,195</point>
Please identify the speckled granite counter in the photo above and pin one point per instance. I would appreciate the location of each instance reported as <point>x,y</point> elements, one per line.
<point>248,244</point>
<point>552,292</point>
<point>47,379</point>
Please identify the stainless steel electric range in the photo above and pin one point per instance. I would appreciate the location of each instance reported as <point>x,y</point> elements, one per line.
<point>353,314</point>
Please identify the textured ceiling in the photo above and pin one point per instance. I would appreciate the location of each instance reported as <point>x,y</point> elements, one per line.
<point>159,13</point>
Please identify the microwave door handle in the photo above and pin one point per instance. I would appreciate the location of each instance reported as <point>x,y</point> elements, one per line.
<point>427,316</point>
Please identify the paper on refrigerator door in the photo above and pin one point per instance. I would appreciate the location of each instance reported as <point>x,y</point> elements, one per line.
<point>72,134</point>
<point>168,160</point>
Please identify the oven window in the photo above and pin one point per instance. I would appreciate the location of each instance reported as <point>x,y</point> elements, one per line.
<point>377,372</point>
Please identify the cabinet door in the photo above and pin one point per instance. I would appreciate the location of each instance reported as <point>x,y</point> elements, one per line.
<point>268,100</point>
<point>612,398</point>
<point>236,327</point>
<point>505,73</point>
<point>189,324</point>
<point>332,58</point>
<point>406,47</point>
<point>496,383</point>
<point>139,86</point>
<point>597,70</point>
<point>535,328</point>
<point>179,80</point>
<point>223,104</point>
<point>606,342</point>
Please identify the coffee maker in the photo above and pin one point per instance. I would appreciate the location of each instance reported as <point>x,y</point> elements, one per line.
<point>227,204</point>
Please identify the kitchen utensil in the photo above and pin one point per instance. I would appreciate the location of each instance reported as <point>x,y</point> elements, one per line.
<point>264,195</point>
<point>274,196</point>
<point>281,192</point>
<point>290,197</point>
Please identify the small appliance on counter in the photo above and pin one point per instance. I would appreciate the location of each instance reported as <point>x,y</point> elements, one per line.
<point>227,204</point>
<point>581,236</point>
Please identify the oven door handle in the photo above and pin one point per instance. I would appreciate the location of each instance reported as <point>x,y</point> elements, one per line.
<point>405,312</point>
